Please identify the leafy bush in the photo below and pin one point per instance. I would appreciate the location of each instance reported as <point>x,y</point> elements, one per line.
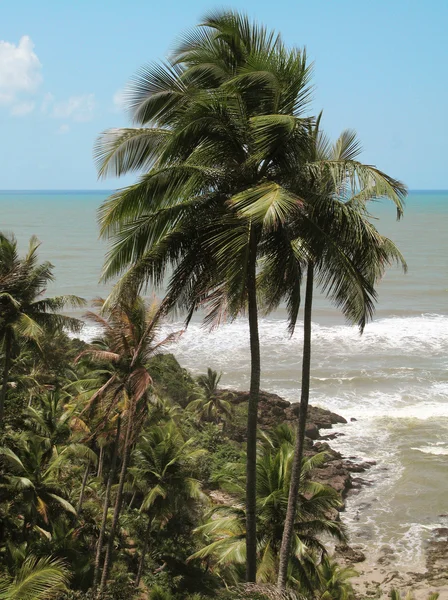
<point>171,380</point>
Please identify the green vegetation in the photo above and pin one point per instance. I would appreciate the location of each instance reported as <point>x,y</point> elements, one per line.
<point>108,484</point>
<point>121,475</point>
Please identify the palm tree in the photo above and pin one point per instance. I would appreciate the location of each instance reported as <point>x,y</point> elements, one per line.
<point>208,403</point>
<point>130,330</point>
<point>32,480</point>
<point>216,125</point>
<point>24,313</point>
<point>225,531</point>
<point>163,461</point>
<point>338,188</point>
<point>37,579</point>
<point>335,580</point>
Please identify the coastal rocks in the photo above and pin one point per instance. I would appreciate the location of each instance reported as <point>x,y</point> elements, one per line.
<point>349,554</point>
<point>335,474</point>
<point>273,410</point>
<point>358,467</point>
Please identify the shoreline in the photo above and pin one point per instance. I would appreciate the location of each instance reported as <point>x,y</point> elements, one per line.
<point>376,568</point>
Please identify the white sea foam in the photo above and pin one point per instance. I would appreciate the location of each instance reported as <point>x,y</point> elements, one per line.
<point>435,450</point>
<point>407,334</point>
<point>392,380</point>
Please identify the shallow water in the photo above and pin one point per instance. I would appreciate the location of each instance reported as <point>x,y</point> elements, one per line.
<point>393,379</point>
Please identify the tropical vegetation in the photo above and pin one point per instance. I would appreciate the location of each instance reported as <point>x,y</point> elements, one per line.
<point>121,474</point>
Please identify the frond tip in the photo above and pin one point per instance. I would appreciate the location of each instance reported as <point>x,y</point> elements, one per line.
<point>37,579</point>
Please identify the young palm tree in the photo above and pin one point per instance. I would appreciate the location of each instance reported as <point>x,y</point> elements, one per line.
<point>335,580</point>
<point>24,313</point>
<point>163,461</point>
<point>32,481</point>
<point>130,338</point>
<point>225,531</point>
<point>208,403</point>
<point>37,579</point>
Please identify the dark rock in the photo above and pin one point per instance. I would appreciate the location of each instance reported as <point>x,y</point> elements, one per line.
<point>349,554</point>
<point>353,420</point>
<point>273,410</point>
<point>358,467</point>
<point>312,431</point>
<point>332,436</point>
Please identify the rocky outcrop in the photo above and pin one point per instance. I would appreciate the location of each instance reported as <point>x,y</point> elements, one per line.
<point>274,410</point>
<point>349,554</point>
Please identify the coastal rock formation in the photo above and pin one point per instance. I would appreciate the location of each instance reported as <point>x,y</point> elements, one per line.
<point>350,555</point>
<point>274,410</point>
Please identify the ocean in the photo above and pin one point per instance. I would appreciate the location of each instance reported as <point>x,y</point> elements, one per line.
<point>393,379</point>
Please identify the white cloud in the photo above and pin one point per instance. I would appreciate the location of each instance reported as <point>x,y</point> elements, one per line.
<point>64,128</point>
<point>20,70</point>
<point>77,108</point>
<point>22,108</point>
<point>119,100</point>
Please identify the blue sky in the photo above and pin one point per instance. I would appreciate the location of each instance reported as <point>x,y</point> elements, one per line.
<point>380,67</point>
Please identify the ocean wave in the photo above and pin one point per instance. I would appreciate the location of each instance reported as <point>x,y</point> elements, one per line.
<point>408,334</point>
<point>435,450</point>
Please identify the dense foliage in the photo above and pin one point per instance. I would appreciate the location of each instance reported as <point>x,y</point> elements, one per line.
<point>180,525</point>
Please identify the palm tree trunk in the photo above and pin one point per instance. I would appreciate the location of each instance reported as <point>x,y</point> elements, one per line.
<point>83,487</point>
<point>5,375</point>
<point>100,462</point>
<point>252,418</point>
<point>288,530</point>
<point>110,480</point>
<point>118,503</point>
<point>141,564</point>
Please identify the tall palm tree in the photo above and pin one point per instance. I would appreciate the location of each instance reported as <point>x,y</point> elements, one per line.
<point>163,468</point>
<point>224,532</point>
<point>338,188</point>
<point>216,124</point>
<point>24,312</point>
<point>130,338</point>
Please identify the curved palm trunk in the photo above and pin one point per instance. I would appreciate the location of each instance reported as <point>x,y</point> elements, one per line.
<point>288,530</point>
<point>251,461</point>
<point>83,488</point>
<point>118,504</point>
<point>110,480</point>
<point>141,564</point>
<point>5,375</point>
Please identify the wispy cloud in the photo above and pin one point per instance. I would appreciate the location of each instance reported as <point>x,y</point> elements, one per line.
<point>64,128</point>
<point>22,108</point>
<point>20,74</point>
<point>77,108</point>
<point>47,103</point>
<point>119,100</point>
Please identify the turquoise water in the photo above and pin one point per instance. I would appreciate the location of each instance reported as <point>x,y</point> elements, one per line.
<point>393,379</point>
